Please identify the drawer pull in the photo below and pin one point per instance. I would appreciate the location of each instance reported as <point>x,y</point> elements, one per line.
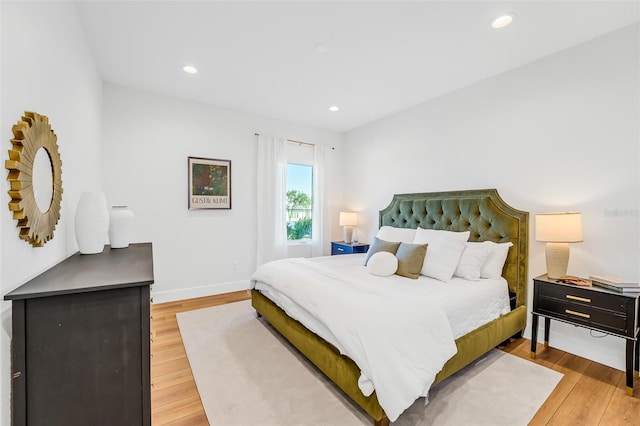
<point>579,299</point>
<point>340,249</point>
<point>579,314</point>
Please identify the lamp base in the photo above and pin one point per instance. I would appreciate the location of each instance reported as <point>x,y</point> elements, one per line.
<point>347,232</point>
<point>557,256</point>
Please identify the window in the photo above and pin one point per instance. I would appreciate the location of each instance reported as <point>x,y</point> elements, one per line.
<point>299,201</point>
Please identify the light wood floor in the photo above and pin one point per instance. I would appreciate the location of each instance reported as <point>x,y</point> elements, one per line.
<point>588,394</point>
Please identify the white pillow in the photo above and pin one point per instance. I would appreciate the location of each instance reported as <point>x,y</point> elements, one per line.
<point>443,251</point>
<point>495,262</point>
<point>396,235</point>
<point>435,234</point>
<point>473,259</point>
<point>382,264</point>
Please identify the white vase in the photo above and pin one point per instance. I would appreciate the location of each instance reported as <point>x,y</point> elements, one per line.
<point>120,226</point>
<point>91,222</point>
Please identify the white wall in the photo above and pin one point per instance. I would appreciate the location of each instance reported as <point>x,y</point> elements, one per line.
<point>147,139</point>
<point>46,67</point>
<point>557,134</point>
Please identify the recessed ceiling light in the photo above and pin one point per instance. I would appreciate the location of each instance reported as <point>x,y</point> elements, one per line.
<point>502,21</point>
<point>190,69</point>
<point>333,108</point>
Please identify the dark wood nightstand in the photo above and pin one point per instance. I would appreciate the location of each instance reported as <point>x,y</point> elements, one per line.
<point>590,307</point>
<point>340,247</point>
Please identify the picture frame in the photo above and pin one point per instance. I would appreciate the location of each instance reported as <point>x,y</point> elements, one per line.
<point>209,183</point>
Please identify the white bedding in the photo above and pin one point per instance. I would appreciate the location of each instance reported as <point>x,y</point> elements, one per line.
<point>336,298</point>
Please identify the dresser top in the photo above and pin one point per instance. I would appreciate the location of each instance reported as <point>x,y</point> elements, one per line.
<point>81,273</point>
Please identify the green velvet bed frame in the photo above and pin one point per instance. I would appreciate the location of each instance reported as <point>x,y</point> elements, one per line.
<point>488,218</point>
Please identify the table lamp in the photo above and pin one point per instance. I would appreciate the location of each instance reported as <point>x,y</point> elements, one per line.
<point>348,220</point>
<point>557,230</point>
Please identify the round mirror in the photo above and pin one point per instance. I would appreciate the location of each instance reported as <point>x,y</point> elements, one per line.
<point>42,180</point>
<point>35,175</point>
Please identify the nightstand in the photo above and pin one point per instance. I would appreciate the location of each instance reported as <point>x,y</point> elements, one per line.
<point>590,307</point>
<point>340,247</point>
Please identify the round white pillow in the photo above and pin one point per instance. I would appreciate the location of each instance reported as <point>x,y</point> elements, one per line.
<point>382,264</point>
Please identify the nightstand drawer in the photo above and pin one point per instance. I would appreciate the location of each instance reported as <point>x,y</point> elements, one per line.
<point>583,314</point>
<point>580,296</point>
<point>341,249</point>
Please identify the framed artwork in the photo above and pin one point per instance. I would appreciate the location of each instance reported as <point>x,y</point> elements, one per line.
<point>209,183</point>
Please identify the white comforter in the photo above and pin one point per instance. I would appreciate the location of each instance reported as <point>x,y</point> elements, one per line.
<point>399,342</point>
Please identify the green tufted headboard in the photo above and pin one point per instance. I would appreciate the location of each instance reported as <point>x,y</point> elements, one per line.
<point>482,212</point>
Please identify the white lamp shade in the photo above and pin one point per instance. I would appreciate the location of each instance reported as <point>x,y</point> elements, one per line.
<point>559,227</point>
<point>348,219</point>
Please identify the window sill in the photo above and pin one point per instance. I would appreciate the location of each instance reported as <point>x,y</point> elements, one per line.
<point>299,242</point>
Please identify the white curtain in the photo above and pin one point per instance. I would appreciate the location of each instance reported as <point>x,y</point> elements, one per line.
<point>272,199</point>
<point>319,200</point>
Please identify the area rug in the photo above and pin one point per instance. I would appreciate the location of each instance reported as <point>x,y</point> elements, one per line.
<point>247,374</point>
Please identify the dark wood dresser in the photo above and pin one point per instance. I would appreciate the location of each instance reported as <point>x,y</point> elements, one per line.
<point>81,341</point>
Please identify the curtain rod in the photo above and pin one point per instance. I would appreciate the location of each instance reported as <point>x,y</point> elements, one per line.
<point>295,141</point>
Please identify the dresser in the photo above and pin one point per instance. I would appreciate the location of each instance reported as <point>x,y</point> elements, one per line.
<point>590,307</point>
<point>80,350</point>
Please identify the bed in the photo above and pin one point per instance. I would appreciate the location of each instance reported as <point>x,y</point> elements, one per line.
<point>487,218</point>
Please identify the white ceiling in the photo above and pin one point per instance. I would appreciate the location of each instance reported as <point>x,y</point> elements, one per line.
<point>381,57</point>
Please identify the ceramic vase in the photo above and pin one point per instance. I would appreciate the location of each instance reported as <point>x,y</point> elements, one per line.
<point>91,222</point>
<point>120,226</point>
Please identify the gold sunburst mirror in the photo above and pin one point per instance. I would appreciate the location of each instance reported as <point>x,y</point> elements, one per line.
<point>35,174</point>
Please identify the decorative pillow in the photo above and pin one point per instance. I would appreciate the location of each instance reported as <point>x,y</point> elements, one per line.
<point>402,235</point>
<point>382,264</point>
<point>495,262</point>
<point>445,249</point>
<point>410,259</point>
<point>473,259</point>
<point>381,245</point>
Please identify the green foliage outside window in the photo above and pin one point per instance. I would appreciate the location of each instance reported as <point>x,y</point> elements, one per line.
<point>297,200</point>
<point>299,230</point>
<point>299,223</point>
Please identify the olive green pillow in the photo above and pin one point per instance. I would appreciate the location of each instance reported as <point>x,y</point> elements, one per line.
<point>381,245</point>
<point>410,259</point>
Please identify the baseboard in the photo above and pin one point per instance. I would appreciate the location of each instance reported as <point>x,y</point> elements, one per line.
<point>527,332</point>
<point>194,292</point>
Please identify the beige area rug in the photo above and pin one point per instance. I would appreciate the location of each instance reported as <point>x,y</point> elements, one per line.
<point>247,374</point>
